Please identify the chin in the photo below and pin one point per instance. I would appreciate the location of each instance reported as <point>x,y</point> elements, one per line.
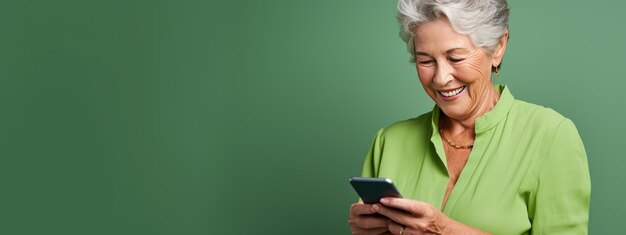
<point>455,111</point>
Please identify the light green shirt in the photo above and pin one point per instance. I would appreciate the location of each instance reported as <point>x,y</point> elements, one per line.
<point>527,172</point>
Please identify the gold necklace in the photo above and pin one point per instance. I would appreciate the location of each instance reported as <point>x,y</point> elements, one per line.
<point>456,146</point>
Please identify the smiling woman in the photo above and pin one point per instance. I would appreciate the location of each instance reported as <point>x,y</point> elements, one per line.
<point>454,72</point>
<point>481,162</point>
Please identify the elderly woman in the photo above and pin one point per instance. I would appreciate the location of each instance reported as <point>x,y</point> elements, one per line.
<point>481,162</point>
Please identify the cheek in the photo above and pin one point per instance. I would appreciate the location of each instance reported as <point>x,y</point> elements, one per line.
<point>477,74</point>
<point>476,68</point>
<point>425,75</point>
<point>471,72</point>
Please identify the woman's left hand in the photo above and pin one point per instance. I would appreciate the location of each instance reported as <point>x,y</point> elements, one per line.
<point>415,217</point>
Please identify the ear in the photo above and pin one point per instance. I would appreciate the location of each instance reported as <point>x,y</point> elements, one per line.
<point>498,53</point>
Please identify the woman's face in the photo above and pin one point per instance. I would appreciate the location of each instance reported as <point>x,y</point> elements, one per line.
<point>455,73</point>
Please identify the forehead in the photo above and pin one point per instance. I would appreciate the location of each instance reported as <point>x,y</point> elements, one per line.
<point>438,36</point>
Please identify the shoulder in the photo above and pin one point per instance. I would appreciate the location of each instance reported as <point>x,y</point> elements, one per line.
<point>409,129</point>
<point>545,126</point>
<point>419,122</point>
<point>535,117</point>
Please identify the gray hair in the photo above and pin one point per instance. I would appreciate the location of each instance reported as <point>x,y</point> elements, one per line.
<point>484,21</point>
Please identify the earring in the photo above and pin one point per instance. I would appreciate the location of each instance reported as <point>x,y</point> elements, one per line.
<point>497,72</point>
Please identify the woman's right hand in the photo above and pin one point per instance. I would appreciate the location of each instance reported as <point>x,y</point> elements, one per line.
<point>363,220</point>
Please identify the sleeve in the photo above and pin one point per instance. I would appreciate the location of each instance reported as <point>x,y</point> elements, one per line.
<point>372,159</point>
<point>561,202</point>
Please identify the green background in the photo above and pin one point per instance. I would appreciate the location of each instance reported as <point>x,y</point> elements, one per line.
<point>247,117</point>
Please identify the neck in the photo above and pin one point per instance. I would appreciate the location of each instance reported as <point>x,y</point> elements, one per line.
<point>466,125</point>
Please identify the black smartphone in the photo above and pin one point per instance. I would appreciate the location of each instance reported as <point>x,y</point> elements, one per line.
<point>371,190</point>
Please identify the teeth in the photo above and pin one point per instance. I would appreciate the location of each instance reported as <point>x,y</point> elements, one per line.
<point>452,93</point>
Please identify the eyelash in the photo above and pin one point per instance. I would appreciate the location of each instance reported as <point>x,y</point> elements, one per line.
<point>450,59</point>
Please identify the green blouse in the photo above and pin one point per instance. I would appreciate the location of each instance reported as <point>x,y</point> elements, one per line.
<point>527,172</point>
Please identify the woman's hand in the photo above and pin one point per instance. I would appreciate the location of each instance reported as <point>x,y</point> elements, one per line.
<point>363,220</point>
<point>410,217</point>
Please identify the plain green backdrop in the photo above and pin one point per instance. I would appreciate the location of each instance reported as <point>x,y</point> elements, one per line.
<point>248,117</point>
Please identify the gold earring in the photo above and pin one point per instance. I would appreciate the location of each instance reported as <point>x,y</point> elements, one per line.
<point>497,72</point>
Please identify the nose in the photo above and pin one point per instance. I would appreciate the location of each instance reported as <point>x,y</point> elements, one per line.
<point>443,75</point>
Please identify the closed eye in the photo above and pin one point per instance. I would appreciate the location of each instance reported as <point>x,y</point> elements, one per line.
<point>455,60</point>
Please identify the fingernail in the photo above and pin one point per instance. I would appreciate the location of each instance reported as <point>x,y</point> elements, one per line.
<point>375,208</point>
<point>384,200</point>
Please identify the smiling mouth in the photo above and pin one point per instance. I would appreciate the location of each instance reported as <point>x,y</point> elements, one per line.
<point>452,92</point>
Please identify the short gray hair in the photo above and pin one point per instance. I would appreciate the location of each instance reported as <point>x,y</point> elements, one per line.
<point>484,21</point>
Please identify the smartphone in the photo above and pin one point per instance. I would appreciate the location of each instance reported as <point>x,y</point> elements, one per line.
<point>371,190</point>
